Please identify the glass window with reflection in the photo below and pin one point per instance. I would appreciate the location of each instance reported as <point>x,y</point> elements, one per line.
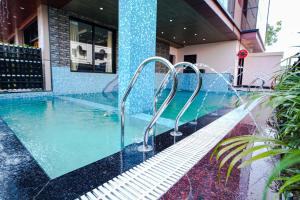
<point>103,50</point>
<point>91,48</point>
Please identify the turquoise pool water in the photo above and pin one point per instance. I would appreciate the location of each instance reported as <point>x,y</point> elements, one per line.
<point>64,135</point>
<point>204,103</point>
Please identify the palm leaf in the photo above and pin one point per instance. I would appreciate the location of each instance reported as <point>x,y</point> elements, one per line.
<point>288,161</point>
<point>241,156</point>
<point>227,148</point>
<point>270,153</point>
<point>289,182</point>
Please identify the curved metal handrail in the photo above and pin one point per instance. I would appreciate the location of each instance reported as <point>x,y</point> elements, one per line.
<point>145,147</point>
<point>104,90</point>
<point>159,90</point>
<point>189,101</point>
<point>263,82</point>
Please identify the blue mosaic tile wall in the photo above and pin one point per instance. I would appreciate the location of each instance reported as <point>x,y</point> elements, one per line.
<point>66,82</point>
<point>210,82</point>
<point>137,41</point>
<point>25,95</point>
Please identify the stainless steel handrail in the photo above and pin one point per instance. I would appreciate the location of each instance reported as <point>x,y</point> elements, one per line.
<point>263,82</point>
<point>159,90</point>
<point>145,147</point>
<point>189,101</point>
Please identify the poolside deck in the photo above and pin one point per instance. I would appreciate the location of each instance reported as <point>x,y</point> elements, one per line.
<point>157,175</point>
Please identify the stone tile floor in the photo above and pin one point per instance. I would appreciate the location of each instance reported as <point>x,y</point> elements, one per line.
<point>202,182</point>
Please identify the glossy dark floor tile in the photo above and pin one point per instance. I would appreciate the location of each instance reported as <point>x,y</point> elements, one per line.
<point>20,175</point>
<point>31,181</point>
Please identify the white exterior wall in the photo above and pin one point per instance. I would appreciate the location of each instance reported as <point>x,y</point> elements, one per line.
<point>221,56</point>
<point>174,51</point>
<point>263,65</point>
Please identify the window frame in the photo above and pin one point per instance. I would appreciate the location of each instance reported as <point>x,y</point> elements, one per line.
<point>114,46</point>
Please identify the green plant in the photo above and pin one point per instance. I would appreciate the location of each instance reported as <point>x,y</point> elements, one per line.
<point>285,102</point>
<point>272,33</point>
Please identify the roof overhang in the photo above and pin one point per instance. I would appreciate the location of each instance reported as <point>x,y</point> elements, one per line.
<point>180,23</point>
<point>252,41</point>
<point>19,13</point>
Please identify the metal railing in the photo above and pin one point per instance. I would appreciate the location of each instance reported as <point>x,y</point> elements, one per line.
<point>184,65</point>
<point>145,147</point>
<point>263,82</point>
<point>111,85</point>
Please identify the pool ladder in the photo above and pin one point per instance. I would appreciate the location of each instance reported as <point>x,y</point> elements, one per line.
<point>157,113</point>
<point>263,82</point>
<point>182,65</point>
<point>145,147</point>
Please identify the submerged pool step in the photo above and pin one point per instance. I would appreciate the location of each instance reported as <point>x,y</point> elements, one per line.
<point>161,121</point>
<point>89,104</point>
<point>145,117</point>
<point>155,176</point>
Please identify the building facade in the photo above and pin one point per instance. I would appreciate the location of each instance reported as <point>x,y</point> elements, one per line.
<point>80,40</point>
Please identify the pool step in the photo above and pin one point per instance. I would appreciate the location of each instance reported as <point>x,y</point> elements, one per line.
<point>161,121</point>
<point>145,117</point>
<point>155,176</point>
<point>89,104</point>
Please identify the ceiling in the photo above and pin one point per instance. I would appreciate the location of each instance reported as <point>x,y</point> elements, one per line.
<point>180,22</point>
<point>16,13</point>
<point>91,9</point>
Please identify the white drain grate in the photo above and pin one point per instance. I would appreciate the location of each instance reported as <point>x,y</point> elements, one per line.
<point>154,177</point>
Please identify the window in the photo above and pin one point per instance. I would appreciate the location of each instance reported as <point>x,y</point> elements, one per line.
<point>103,50</point>
<point>91,48</point>
<point>228,6</point>
<point>172,59</point>
<point>192,59</point>
<point>31,36</point>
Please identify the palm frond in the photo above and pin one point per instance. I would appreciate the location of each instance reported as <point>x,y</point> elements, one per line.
<point>289,160</point>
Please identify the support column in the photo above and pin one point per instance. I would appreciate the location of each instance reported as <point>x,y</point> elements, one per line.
<point>137,41</point>
<point>43,31</point>
<point>19,39</point>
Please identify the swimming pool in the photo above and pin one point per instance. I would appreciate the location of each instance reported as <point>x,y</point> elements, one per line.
<point>64,133</point>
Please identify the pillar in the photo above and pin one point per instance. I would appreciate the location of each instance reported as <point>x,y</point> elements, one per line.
<point>43,32</point>
<point>19,39</point>
<point>137,41</point>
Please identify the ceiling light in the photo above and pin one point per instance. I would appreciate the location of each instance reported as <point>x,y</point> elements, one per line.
<point>195,34</point>
<point>171,20</point>
<point>203,39</point>
<point>101,8</point>
<point>162,32</point>
<point>174,37</point>
<point>184,28</point>
<point>22,8</point>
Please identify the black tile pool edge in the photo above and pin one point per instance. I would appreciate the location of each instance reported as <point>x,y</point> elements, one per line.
<point>25,179</point>
<point>20,175</point>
